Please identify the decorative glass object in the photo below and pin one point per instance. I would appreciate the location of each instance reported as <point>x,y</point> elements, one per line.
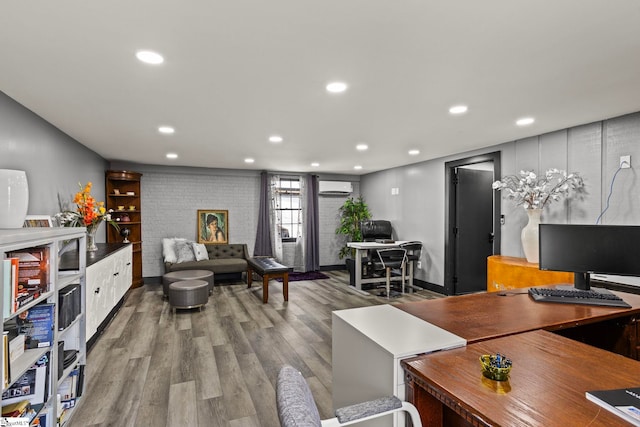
<point>91,238</point>
<point>14,198</point>
<point>495,366</point>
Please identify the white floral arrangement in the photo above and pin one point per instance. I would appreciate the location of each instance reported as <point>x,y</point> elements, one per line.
<point>535,192</point>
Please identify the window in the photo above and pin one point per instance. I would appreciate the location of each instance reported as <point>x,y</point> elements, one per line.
<point>290,209</point>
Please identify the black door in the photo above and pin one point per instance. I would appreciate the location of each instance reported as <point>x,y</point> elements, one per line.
<point>472,222</point>
<point>473,229</point>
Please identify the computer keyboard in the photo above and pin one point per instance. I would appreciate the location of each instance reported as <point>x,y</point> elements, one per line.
<point>577,296</point>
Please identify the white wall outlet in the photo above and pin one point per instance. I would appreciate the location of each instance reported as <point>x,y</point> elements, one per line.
<point>419,264</point>
<point>625,162</point>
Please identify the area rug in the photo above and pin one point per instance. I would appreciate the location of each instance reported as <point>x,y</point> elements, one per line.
<point>311,275</point>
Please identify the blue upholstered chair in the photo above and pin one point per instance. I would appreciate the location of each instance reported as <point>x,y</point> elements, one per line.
<point>296,407</point>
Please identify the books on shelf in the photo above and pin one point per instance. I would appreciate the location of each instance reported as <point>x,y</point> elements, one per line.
<point>624,402</point>
<point>9,285</point>
<point>16,347</point>
<point>31,386</point>
<point>16,410</point>
<point>37,324</point>
<point>6,376</point>
<point>31,275</point>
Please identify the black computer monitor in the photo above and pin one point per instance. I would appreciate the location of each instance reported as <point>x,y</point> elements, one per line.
<point>586,249</point>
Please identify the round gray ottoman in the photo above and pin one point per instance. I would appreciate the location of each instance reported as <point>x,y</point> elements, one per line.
<point>188,294</point>
<point>180,275</point>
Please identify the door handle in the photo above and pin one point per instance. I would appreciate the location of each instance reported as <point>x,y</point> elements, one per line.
<point>492,237</point>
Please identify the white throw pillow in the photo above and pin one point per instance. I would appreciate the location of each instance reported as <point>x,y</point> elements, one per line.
<point>200,251</point>
<point>169,249</point>
<point>184,250</point>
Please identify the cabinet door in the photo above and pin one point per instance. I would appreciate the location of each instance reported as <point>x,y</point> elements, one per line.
<point>123,265</point>
<point>99,280</point>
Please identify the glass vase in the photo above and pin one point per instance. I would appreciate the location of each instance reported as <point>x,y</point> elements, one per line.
<point>529,236</point>
<point>91,238</point>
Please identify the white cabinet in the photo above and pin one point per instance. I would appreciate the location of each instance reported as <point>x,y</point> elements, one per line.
<point>368,344</point>
<point>73,336</point>
<point>107,281</point>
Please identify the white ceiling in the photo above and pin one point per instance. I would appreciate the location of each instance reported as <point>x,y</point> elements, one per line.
<point>237,71</point>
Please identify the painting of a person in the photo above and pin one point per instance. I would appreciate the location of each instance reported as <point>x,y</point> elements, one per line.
<point>214,232</point>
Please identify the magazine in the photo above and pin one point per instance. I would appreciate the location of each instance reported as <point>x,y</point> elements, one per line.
<point>624,402</point>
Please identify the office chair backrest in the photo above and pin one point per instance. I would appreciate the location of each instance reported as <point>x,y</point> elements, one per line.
<point>392,257</point>
<point>413,250</point>
<point>373,229</point>
<point>296,406</point>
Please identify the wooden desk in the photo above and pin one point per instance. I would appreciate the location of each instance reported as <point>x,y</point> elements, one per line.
<point>507,272</point>
<point>483,316</point>
<point>362,248</point>
<point>547,385</point>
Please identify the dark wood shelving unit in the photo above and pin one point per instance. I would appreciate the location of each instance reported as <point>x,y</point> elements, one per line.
<point>123,192</point>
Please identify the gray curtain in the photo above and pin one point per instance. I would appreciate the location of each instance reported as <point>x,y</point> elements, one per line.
<point>263,234</point>
<point>312,228</point>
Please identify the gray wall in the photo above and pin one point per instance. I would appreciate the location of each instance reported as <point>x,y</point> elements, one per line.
<point>593,150</point>
<point>53,161</point>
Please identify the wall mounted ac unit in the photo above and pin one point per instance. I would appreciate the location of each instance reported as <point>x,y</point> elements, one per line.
<point>335,188</point>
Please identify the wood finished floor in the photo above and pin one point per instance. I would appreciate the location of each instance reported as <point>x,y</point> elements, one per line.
<point>218,366</point>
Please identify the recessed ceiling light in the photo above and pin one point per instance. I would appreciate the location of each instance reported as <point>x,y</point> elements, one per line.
<point>166,130</point>
<point>275,139</point>
<point>149,57</point>
<point>336,87</point>
<point>414,152</point>
<point>315,164</point>
<point>357,167</point>
<point>249,160</point>
<point>172,156</point>
<point>458,109</point>
<point>362,147</point>
<point>525,121</point>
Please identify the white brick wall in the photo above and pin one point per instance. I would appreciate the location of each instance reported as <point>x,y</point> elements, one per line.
<point>170,201</point>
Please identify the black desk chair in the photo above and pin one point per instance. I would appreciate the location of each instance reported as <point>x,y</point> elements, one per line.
<point>371,231</point>
<point>391,259</point>
<point>414,249</point>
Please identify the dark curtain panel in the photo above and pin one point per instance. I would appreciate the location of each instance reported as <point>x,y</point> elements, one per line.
<point>263,234</point>
<point>312,240</point>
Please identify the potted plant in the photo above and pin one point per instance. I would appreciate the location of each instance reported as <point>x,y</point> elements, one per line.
<point>351,212</point>
<point>534,193</point>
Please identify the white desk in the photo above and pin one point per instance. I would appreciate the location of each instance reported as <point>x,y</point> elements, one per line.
<point>368,344</point>
<point>361,250</point>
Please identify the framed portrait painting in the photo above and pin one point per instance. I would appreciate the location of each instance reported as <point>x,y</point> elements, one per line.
<point>213,226</point>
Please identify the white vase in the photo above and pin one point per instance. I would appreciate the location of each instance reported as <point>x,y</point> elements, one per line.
<point>14,198</point>
<point>529,236</point>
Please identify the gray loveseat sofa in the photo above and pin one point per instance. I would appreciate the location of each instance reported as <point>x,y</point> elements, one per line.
<point>227,262</point>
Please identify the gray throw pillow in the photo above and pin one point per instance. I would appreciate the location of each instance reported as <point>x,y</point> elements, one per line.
<point>184,250</point>
<point>200,251</point>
